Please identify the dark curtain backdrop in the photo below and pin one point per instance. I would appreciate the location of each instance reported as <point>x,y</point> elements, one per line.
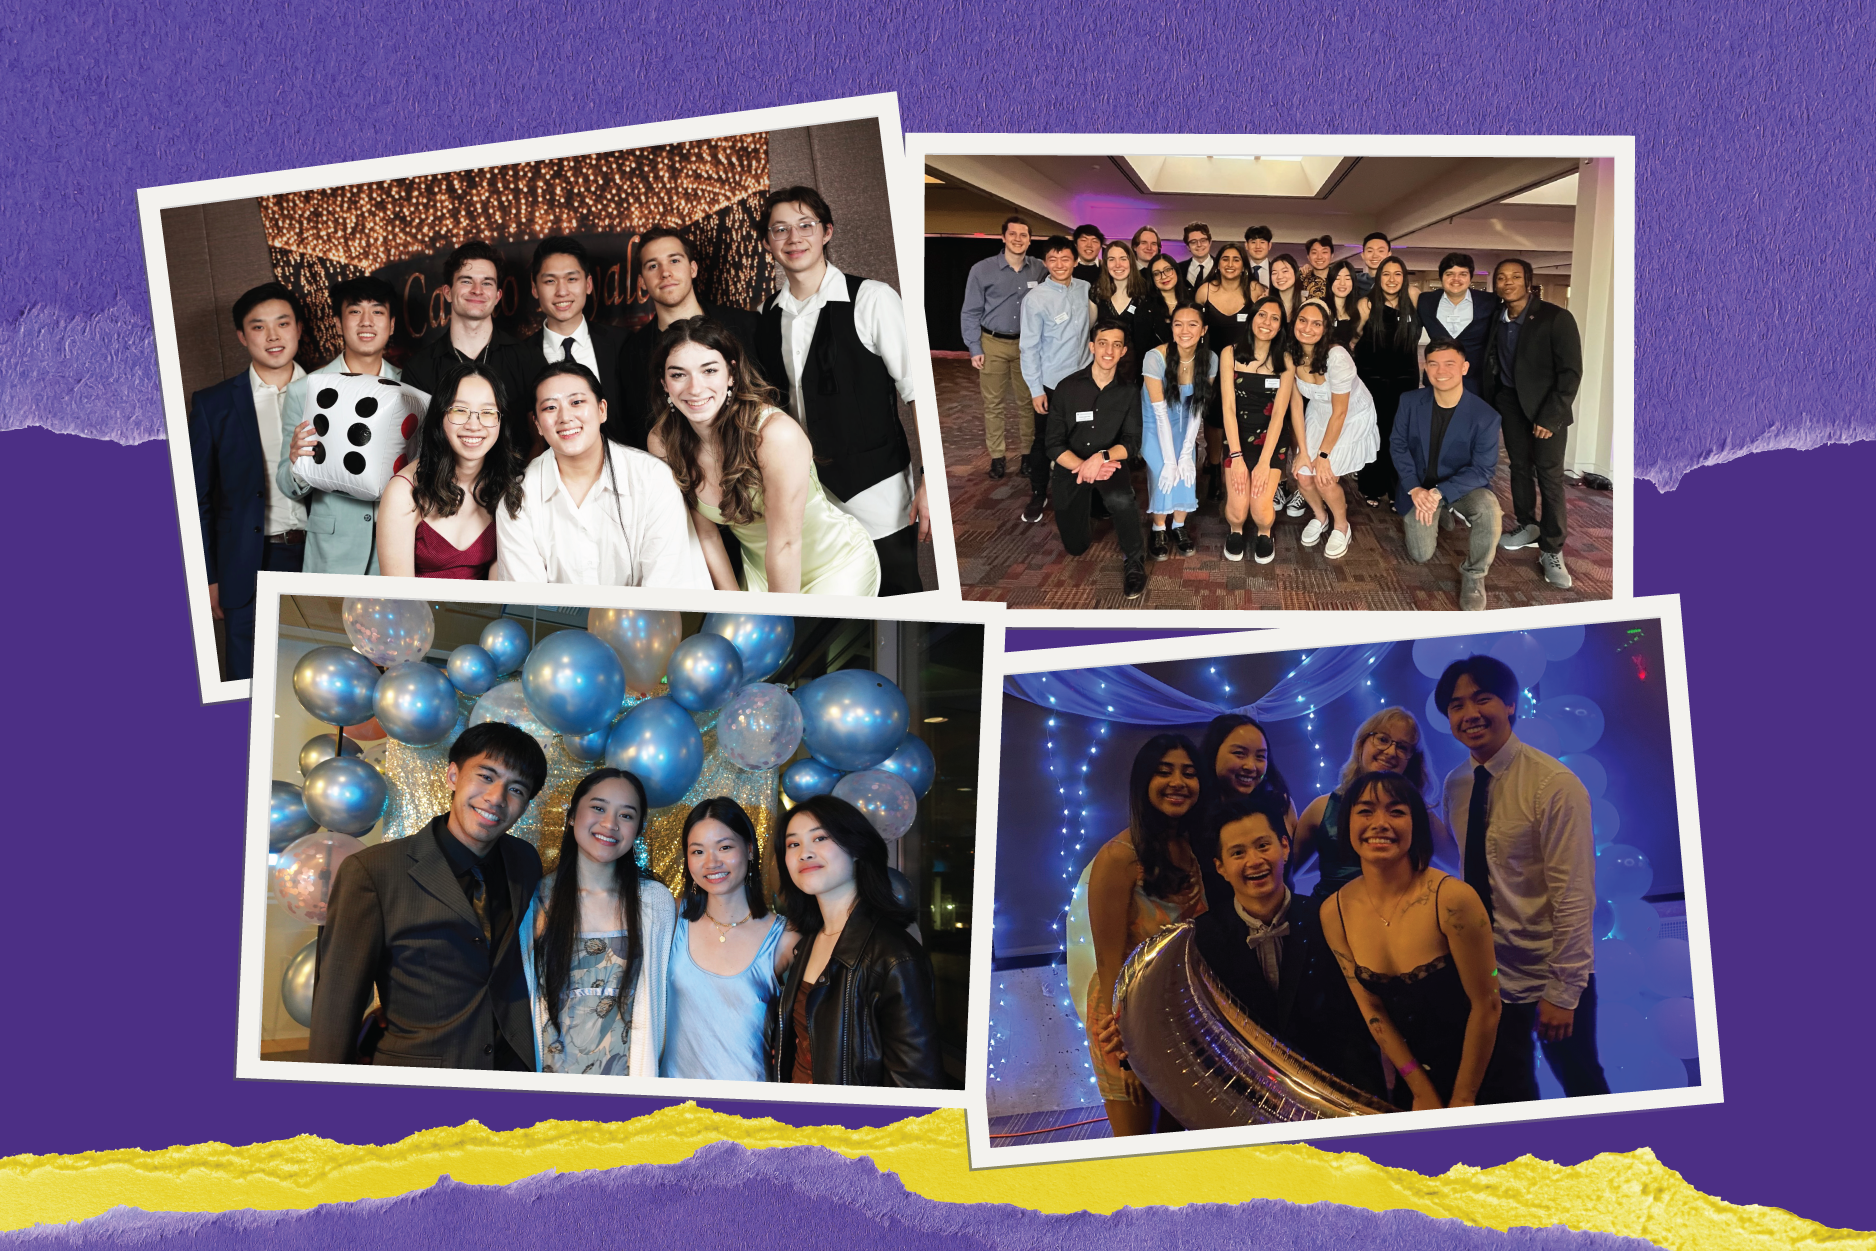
<point>948,262</point>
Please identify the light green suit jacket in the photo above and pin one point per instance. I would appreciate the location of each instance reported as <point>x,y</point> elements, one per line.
<point>341,532</point>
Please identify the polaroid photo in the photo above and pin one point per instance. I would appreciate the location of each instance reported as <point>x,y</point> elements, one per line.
<point>777,795</point>
<point>318,329</point>
<point>1343,880</point>
<point>1286,456</point>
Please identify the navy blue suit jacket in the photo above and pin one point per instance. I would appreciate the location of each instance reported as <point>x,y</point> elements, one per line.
<point>1468,453</point>
<point>1472,339</point>
<point>230,485</point>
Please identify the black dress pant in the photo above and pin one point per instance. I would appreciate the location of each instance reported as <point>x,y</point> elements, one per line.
<point>1536,470</point>
<point>1074,499</point>
<point>1573,1060</point>
<point>898,562</point>
<point>1039,463</point>
<point>239,622</point>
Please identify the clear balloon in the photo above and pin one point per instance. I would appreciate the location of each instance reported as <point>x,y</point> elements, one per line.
<point>1539,733</point>
<point>760,726</point>
<point>507,643</point>
<point>296,984</point>
<point>886,799</point>
<point>321,747</point>
<point>1622,872</point>
<point>705,670</point>
<point>335,684</point>
<point>304,872</point>
<point>659,742</point>
<point>1621,973</point>
<point>1604,821</point>
<point>1589,772</point>
<point>762,642</point>
<point>507,703</point>
<point>1523,653</point>
<point>1631,1052</point>
<point>1636,922</point>
<point>415,703</point>
<point>574,682</point>
<point>1437,718</point>
<point>287,818</point>
<point>913,761</point>
<point>1560,642</point>
<point>472,669</point>
<point>1578,720</point>
<point>389,631</point>
<point>1673,1020</point>
<point>642,639</point>
<point>587,746</point>
<point>852,719</point>
<point>1601,921</point>
<point>345,794</point>
<point>805,779</point>
<point>1670,967</point>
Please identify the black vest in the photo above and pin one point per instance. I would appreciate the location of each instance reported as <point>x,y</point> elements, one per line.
<point>852,401</point>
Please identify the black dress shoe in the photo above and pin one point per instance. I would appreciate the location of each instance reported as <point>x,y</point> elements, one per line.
<point>1182,539</point>
<point>996,467</point>
<point>1156,544</point>
<point>1023,466</point>
<point>1133,581</point>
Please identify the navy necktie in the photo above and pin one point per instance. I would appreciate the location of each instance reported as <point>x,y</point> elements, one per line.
<point>1478,872</point>
<point>566,347</point>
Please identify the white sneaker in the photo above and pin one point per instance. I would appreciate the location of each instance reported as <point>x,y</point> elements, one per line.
<point>1337,546</point>
<point>1312,533</point>
<point>1297,505</point>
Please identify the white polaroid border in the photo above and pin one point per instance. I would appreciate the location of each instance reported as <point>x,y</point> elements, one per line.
<point>256,880</point>
<point>1342,630</point>
<point>1620,148</point>
<point>905,206</point>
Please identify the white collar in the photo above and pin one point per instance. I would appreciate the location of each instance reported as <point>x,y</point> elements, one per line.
<point>833,287</point>
<point>1257,926</point>
<point>1502,759</point>
<point>254,378</point>
<point>580,334</point>
<point>555,485</point>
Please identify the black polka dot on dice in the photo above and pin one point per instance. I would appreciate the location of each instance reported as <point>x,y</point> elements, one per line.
<point>367,406</point>
<point>319,453</point>
<point>320,424</point>
<point>327,397</point>
<point>354,463</point>
<point>359,434</point>
<point>389,382</point>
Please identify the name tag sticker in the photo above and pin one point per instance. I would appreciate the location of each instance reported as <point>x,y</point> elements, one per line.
<point>1060,318</point>
<point>1242,316</point>
<point>1130,308</point>
<point>1084,416</point>
<point>1271,384</point>
<point>1032,284</point>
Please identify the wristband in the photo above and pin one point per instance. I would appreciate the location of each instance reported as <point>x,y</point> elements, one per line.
<point>1409,1067</point>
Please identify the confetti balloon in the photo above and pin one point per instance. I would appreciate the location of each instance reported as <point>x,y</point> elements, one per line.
<point>885,798</point>
<point>705,670</point>
<point>296,984</point>
<point>415,703</point>
<point>508,704</point>
<point>852,719</point>
<point>389,631</point>
<point>573,682</point>
<point>471,669</point>
<point>642,639</point>
<point>287,818</point>
<point>913,762</point>
<point>507,643</point>
<point>345,794</point>
<point>760,726</point>
<point>335,684</point>
<point>321,747</point>
<point>762,642</point>
<point>659,742</point>
<point>303,873</point>
<point>805,779</point>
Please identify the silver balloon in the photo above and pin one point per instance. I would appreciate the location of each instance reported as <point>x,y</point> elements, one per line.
<point>471,669</point>
<point>705,670</point>
<point>886,799</point>
<point>805,779</point>
<point>642,639</point>
<point>659,743</point>
<point>389,631</point>
<point>1208,1064</point>
<point>507,643</point>
<point>762,642</point>
<point>320,747</point>
<point>913,761</point>
<point>335,685</point>
<point>852,719</point>
<point>507,703</point>
<point>759,727</point>
<point>415,704</point>
<point>345,794</point>
<point>305,871</point>
<point>574,682</point>
<point>296,984</point>
<point>287,818</point>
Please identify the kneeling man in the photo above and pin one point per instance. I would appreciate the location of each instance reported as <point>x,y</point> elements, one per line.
<point>1091,431</point>
<point>1445,448</point>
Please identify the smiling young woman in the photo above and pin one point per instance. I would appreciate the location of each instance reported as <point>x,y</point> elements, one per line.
<point>436,517</point>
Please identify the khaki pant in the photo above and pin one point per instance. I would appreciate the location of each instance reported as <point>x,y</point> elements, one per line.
<point>1002,379</point>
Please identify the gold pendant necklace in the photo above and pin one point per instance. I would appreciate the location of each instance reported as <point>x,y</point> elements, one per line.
<point>723,931</point>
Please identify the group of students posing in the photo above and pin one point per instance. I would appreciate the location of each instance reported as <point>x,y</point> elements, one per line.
<point>450,949</point>
<point>1252,372</point>
<point>584,454</point>
<point>1400,978</point>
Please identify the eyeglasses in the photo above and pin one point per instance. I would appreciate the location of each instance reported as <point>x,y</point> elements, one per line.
<point>459,415</point>
<point>1393,744</point>
<point>781,230</point>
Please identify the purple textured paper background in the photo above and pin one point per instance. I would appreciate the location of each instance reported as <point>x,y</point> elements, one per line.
<point>121,924</point>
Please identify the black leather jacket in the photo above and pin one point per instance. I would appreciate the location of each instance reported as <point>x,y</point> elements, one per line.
<point>872,1018</point>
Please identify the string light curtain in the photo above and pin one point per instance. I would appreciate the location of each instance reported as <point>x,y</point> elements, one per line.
<point>1123,693</point>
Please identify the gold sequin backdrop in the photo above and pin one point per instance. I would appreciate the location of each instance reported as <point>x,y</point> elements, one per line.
<point>711,188</point>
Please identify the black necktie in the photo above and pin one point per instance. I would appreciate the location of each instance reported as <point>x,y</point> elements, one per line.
<point>566,346</point>
<point>479,896</point>
<point>1478,872</point>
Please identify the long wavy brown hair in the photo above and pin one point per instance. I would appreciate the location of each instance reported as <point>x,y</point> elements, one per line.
<point>739,476</point>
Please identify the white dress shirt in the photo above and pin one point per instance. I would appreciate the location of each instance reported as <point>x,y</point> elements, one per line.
<point>1542,858</point>
<point>582,336</point>
<point>879,321</point>
<point>1259,271</point>
<point>284,513</point>
<point>1198,271</point>
<point>1455,317</point>
<point>638,535</point>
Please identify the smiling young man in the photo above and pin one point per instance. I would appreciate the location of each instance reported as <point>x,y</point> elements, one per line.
<point>341,532</point>
<point>594,512</point>
<point>1054,344</point>
<point>428,925</point>
<point>562,283</point>
<point>1088,244</point>
<point>1314,280</point>
<point>1445,449</point>
<point>990,320</point>
<point>1201,266</point>
<point>1459,313</point>
<point>1093,431</point>
<point>473,293</point>
<point>1523,825</point>
<point>1257,254</point>
<point>836,346</point>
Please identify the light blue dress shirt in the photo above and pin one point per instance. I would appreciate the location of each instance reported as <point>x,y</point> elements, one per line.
<point>1055,333</point>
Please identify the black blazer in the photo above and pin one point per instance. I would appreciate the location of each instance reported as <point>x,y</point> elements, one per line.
<point>1548,368</point>
<point>1472,339</point>
<point>607,340</point>
<point>398,923</point>
<point>630,422</point>
<point>231,475</point>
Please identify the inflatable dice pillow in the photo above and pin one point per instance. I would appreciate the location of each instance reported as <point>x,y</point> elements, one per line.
<point>364,424</point>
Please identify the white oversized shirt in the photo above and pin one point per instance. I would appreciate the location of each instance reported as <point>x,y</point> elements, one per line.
<point>284,513</point>
<point>638,535</point>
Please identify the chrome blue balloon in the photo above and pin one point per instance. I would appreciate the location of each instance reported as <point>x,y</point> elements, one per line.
<point>287,818</point>
<point>912,760</point>
<point>335,685</point>
<point>852,719</point>
<point>659,742</point>
<point>345,795</point>
<point>762,642</point>
<point>705,670</point>
<point>415,704</point>
<point>805,779</point>
<point>587,746</point>
<point>574,682</point>
<point>320,747</point>
<point>506,641</point>
<point>472,669</point>
<point>296,984</point>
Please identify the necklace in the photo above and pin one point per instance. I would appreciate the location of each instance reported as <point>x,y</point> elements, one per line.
<point>1400,908</point>
<point>723,930</point>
